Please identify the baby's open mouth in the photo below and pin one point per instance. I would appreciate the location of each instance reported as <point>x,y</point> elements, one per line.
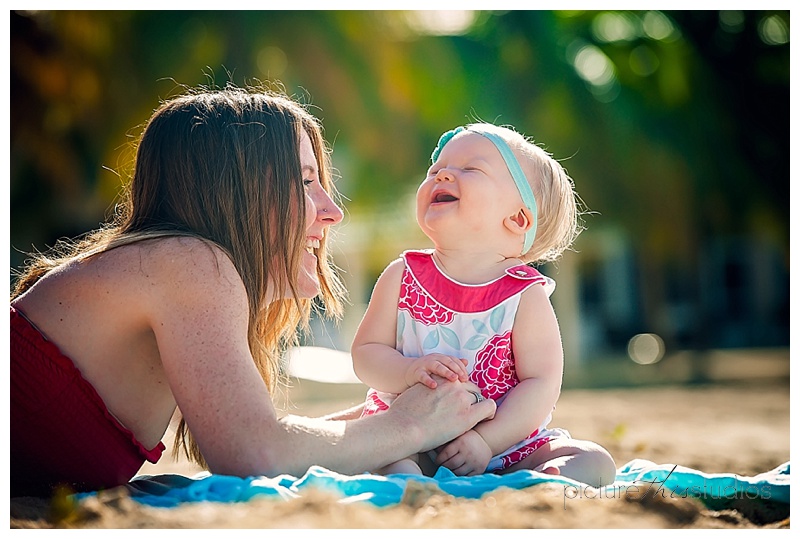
<point>444,197</point>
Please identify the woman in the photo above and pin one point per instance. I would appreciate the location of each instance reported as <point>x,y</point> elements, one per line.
<point>187,300</point>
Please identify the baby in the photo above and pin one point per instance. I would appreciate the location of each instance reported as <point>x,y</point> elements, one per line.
<point>473,310</point>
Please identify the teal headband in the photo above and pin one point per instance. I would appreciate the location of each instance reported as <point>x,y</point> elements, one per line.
<point>521,182</point>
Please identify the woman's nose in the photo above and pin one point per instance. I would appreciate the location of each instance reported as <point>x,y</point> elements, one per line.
<point>328,211</point>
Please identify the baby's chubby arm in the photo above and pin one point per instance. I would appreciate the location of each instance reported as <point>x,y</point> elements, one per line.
<point>376,362</point>
<point>539,361</point>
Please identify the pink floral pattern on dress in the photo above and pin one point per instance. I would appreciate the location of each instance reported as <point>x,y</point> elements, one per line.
<point>373,404</point>
<point>523,452</point>
<point>494,370</point>
<point>422,307</point>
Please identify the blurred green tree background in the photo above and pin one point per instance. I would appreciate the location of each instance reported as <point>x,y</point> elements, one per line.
<point>674,126</point>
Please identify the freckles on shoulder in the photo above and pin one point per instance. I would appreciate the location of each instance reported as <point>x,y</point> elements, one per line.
<point>191,270</point>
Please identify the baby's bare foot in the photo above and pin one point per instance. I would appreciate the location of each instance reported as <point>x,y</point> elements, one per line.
<point>548,469</point>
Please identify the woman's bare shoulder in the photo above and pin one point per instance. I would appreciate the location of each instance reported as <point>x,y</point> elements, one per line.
<point>172,245</point>
<point>169,273</point>
<point>181,264</point>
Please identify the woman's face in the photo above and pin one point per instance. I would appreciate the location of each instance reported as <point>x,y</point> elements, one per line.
<point>321,213</point>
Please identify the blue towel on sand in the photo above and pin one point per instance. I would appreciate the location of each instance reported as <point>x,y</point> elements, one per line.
<point>635,478</point>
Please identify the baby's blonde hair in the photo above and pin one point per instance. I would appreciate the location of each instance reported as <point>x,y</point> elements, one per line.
<point>556,200</point>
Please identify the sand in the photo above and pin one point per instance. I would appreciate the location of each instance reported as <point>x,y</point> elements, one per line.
<point>734,427</point>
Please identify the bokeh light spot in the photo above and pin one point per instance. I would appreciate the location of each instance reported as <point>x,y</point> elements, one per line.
<point>657,26</point>
<point>646,348</point>
<point>594,66</point>
<point>773,30</point>
<point>440,22</point>
<point>731,21</point>
<point>643,61</point>
<point>611,27</point>
<point>272,61</point>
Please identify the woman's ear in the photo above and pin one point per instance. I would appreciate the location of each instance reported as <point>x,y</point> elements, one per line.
<point>520,222</point>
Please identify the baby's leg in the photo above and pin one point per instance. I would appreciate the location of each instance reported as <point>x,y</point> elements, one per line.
<point>407,466</point>
<point>581,460</point>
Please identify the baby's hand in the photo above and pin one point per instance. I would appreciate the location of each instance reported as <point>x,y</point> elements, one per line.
<point>448,367</point>
<point>469,454</point>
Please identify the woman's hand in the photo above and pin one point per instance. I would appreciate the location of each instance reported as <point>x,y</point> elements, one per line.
<point>439,415</point>
<point>469,454</point>
<point>448,367</point>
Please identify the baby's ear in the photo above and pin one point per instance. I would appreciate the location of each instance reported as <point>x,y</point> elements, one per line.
<point>520,222</point>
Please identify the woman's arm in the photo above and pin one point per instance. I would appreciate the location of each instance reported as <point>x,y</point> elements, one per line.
<point>198,312</point>
<point>344,415</point>
<point>419,420</point>
<point>539,363</point>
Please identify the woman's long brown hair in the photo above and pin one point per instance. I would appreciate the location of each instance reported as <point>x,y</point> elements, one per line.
<point>224,166</point>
